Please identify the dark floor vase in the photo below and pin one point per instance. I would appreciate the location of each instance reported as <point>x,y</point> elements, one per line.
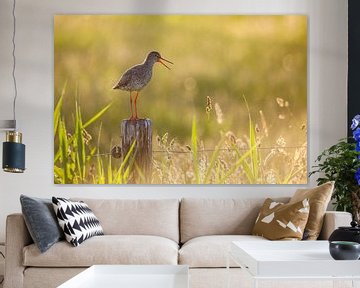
<point>351,233</point>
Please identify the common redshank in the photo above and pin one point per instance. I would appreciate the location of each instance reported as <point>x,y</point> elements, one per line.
<point>137,77</point>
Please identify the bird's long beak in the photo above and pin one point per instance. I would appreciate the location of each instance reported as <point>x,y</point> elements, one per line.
<point>160,58</point>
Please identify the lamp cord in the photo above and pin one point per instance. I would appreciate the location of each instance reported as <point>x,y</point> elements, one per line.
<point>14,59</point>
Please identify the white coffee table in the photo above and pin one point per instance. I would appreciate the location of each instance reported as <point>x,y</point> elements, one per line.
<point>293,260</point>
<point>131,276</point>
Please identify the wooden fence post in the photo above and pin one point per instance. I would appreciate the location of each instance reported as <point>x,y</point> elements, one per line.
<point>141,131</point>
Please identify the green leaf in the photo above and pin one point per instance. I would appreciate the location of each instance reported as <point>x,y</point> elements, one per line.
<point>97,116</point>
<point>339,163</point>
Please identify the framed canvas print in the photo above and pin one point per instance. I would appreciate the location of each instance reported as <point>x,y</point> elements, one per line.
<point>180,99</point>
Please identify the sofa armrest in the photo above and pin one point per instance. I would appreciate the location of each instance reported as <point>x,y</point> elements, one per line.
<point>17,237</point>
<point>333,220</point>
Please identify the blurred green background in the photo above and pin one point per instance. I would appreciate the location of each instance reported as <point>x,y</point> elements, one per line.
<point>263,58</point>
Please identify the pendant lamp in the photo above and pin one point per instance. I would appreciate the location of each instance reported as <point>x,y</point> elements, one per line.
<point>13,160</point>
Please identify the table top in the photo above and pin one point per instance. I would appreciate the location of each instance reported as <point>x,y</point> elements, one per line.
<point>291,259</point>
<point>131,276</point>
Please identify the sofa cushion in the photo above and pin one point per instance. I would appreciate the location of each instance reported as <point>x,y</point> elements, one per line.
<point>107,249</point>
<point>200,217</point>
<point>158,217</point>
<point>211,251</point>
<point>41,221</point>
<point>279,221</point>
<point>77,220</point>
<point>319,198</point>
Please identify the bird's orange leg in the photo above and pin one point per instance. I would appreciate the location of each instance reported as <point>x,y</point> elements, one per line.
<point>136,96</point>
<point>131,107</point>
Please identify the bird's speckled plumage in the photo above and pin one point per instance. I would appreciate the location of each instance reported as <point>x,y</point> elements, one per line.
<point>137,77</point>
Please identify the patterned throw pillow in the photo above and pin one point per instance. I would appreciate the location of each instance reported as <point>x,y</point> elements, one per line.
<point>77,220</point>
<point>279,221</point>
<point>319,198</point>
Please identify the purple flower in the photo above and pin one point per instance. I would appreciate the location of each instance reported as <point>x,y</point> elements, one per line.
<point>357,147</point>
<point>357,176</point>
<point>355,122</point>
<point>356,134</point>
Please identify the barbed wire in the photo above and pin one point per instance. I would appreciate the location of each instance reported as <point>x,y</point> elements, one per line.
<point>212,150</point>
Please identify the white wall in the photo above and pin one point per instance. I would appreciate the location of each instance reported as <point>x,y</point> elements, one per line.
<point>326,90</point>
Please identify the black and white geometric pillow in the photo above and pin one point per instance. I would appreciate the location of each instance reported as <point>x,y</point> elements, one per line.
<point>77,220</point>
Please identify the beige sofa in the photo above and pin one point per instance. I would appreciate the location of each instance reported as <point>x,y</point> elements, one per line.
<point>194,232</point>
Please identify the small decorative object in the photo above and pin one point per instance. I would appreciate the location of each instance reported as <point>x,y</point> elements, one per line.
<point>344,233</point>
<point>344,250</point>
<point>341,163</point>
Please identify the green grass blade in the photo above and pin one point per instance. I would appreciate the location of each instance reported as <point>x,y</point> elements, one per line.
<point>100,171</point>
<point>57,156</point>
<point>96,116</point>
<point>140,174</point>
<point>91,154</point>
<point>246,167</point>
<point>248,172</point>
<point>219,174</point>
<point>214,157</point>
<point>109,171</point>
<point>122,176</point>
<point>292,174</point>
<point>254,157</point>
<point>58,175</point>
<point>64,148</point>
<point>57,116</point>
<point>126,175</point>
<point>57,110</point>
<point>80,152</point>
<point>236,166</point>
<point>194,151</point>
<point>76,142</point>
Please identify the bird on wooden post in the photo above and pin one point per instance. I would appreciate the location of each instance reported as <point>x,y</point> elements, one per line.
<point>137,77</point>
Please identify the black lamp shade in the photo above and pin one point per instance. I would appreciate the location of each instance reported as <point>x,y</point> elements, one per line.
<point>13,157</point>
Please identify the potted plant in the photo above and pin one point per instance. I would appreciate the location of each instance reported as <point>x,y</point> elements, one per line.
<point>341,163</point>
